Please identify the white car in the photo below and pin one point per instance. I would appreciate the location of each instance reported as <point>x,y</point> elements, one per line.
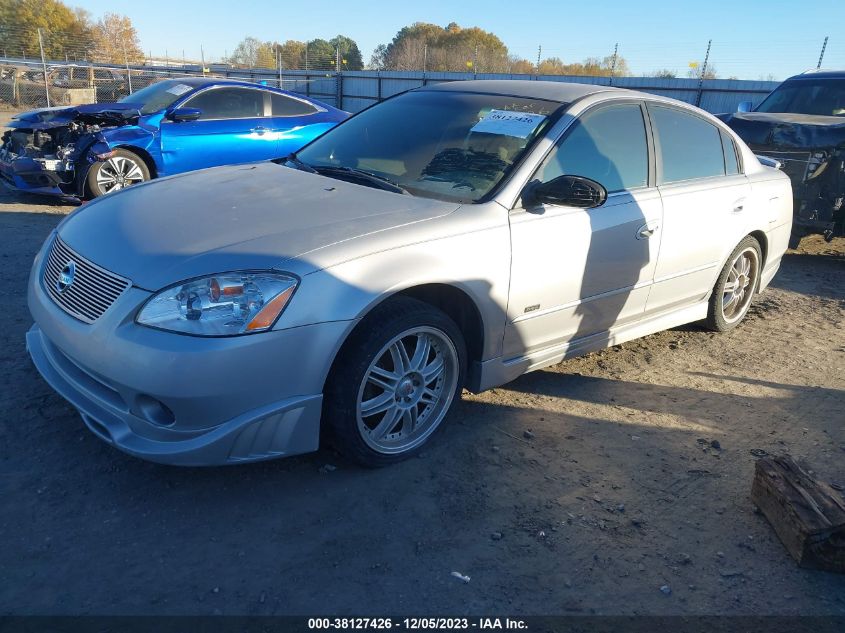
<point>458,235</point>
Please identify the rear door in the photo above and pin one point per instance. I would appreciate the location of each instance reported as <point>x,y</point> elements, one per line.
<point>704,199</point>
<point>233,128</point>
<point>292,122</point>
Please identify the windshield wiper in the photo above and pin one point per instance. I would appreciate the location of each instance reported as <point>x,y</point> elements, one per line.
<point>359,174</point>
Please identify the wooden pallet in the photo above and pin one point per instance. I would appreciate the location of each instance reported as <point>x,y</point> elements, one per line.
<point>807,515</point>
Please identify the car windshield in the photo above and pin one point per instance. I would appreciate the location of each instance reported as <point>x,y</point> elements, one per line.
<point>807,96</point>
<point>451,146</point>
<point>157,96</point>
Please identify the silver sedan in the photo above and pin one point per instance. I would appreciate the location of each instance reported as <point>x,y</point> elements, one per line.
<point>456,236</point>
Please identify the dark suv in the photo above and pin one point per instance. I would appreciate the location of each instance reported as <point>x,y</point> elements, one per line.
<point>802,125</point>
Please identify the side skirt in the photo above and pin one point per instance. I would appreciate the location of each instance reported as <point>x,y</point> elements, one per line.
<point>497,371</point>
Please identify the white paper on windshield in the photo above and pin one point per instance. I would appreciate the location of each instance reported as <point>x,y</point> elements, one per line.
<point>178,89</point>
<point>508,123</point>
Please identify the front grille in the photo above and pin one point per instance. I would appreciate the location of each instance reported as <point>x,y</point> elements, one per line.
<point>93,289</point>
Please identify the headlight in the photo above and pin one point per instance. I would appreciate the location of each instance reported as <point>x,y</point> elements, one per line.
<point>220,305</point>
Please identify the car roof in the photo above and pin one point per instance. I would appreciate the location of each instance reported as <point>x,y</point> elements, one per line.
<point>202,82</point>
<point>564,92</point>
<point>819,74</point>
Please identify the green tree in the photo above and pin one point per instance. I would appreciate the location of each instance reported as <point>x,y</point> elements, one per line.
<point>350,54</point>
<point>64,31</point>
<point>321,55</point>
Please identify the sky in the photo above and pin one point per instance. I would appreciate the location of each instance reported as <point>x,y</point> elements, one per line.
<point>752,39</point>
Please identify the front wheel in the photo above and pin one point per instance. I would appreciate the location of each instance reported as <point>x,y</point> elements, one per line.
<point>122,169</point>
<point>735,287</point>
<point>394,382</point>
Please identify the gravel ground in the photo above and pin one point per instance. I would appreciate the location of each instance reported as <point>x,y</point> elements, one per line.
<point>581,489</point>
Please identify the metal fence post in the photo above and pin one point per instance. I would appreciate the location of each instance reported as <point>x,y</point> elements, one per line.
<point>821,56</point>
<point>128,73</point>
<point>44,67</point>
<point>339,89</point>
<point>703,72</point>
<point>613,63</point>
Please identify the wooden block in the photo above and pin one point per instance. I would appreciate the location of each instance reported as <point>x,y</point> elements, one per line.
<point>807,514</point>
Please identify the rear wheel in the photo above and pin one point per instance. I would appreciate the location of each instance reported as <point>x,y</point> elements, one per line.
<point>394,382</point>
<point>122,169</point>
<point>735,286</point>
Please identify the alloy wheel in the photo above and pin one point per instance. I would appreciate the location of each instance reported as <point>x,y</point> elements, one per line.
<point>740,284</point>
<point>407,390</point>
<point>117,173</point>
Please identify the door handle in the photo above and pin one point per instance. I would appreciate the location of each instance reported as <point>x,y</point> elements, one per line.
<point>646,231</point>
<point>739,205</point>
<point>260,130</point>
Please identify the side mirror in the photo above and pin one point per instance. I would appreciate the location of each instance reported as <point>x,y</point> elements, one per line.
<point>184,114</point>
<point>744,106</point>
<point>569,191</point>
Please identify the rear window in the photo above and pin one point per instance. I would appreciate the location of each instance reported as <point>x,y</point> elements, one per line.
<point>288,106</point>
<point>731,162</point>
<point>690,147</point>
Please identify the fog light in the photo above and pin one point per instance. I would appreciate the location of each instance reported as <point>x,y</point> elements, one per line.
<point>154,411</point>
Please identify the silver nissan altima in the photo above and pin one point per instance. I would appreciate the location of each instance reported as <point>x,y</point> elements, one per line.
<point>455,236</point>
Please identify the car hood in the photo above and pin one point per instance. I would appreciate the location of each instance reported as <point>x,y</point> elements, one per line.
<point>787,130</point>
<point>255,216</point>
<point>100,113</point>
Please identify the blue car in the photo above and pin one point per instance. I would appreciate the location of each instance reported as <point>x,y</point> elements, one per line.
<point>169,127</point>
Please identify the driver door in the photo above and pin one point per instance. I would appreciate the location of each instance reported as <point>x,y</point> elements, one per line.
<point>234,127</point>
<point>576,273</point>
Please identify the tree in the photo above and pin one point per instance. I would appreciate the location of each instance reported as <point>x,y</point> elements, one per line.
<point>695,71</point>
<point>350,55</point>
<point>378,60</point>
<point>64,32</point>
<point>520,66</point>
<point>321,55</point>
<point>115,41</point>
<point>665,73</point>
<point>247,52</point>
<point>423,46</point>
<point>292,54</point>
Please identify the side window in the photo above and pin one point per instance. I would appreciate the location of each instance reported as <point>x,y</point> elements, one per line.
<point>608,145</point>
<point>286,106</point>
<point>690,147</point>
<point>229,103</point>
<point>102,74</point>
<point>731,162</point>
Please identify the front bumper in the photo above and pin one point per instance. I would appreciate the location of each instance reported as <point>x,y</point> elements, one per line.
<point>184,400</point>
<point>27,175</point>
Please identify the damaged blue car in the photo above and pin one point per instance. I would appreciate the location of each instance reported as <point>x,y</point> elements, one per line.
<point>170,127</point>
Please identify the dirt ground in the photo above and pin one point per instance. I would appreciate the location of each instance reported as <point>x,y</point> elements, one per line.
<point>635,476</point>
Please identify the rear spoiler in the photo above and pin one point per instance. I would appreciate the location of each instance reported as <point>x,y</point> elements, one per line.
<point>769,162</point>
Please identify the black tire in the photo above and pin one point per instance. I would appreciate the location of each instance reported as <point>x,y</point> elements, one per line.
<point>348,380</point>
<point>717,319</point>
<point>120,158</point>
